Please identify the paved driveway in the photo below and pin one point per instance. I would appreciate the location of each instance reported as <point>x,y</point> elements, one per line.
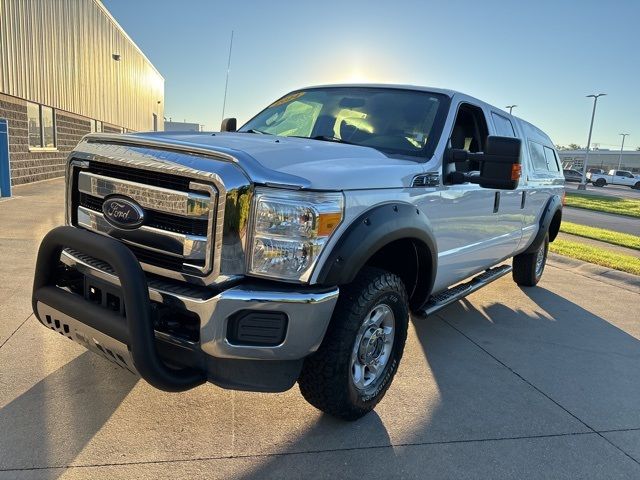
<point>510,383</point>
<point>620,191</point>
<point>609,221</point>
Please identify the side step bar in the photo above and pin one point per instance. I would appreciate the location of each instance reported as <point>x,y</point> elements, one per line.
<point>453,294</point>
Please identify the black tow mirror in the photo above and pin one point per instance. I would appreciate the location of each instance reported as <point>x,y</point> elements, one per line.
<point>500,164</point>
<point>229,125</point>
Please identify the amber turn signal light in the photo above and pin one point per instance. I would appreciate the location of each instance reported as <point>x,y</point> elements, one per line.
<point>327,223</point>
<point>516,171</point>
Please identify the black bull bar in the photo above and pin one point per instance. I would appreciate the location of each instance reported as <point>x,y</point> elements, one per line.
<point>135,329</point>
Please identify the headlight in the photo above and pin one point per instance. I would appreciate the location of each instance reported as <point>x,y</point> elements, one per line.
<point>289,231</point>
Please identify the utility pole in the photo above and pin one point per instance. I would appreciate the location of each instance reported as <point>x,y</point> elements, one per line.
<point>624,135</point>
<point>226,82</point>
<point>510,107</point>
<point>583,182</point>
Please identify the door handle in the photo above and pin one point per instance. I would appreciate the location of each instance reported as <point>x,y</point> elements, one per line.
<point>496,203</point>
<point>524,199</point>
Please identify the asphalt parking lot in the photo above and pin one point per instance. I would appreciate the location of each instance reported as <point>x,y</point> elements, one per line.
<point>609,191</point>
<point>509,383</point>
<point>609,221</point>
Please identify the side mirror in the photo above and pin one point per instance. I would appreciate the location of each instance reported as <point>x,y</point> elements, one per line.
<point>229,125</point>
<point>500,164</point>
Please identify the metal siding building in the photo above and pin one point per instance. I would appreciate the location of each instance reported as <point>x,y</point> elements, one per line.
<point>604,159</point>
<point>72,58</point>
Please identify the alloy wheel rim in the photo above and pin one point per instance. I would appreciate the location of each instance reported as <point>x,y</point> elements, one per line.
<point>372,348</point>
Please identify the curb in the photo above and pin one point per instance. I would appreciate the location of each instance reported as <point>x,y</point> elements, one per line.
<point>624,280</point>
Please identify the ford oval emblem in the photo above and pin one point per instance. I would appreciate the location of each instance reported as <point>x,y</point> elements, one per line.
<point>122,212</point>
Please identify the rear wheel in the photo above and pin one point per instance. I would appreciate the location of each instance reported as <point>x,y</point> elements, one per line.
<point>361,351</point>
<point>529,267</point>
<point>601,182</point>
<point>636,186</point>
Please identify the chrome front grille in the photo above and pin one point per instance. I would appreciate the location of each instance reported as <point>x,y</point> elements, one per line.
<point>177,235</point>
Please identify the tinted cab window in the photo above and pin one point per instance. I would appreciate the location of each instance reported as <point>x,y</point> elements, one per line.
<point>503,125</point>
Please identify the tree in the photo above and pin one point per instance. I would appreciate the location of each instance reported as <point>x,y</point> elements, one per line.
<point>574,146</point>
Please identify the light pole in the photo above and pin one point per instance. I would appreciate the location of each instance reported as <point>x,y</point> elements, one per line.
<point>583,182</point>
<point>510,107</point>
<point>624,135</point>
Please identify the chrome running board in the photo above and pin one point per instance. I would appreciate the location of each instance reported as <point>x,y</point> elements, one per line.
<point>455,293</point>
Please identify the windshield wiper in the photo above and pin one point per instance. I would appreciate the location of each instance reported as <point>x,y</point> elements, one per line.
<point>253,130</point>
<point>324,138</point>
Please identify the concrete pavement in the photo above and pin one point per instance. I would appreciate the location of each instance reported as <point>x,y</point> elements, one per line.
<point>509,383</point>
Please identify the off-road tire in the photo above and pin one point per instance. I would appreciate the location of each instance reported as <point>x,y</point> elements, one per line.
<point>326,381</point>
<point>525,272</point>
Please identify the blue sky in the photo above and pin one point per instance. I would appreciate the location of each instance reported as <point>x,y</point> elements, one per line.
<point>544,56</point>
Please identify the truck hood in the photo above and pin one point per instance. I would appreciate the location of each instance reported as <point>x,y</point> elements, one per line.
<point>314,164</point>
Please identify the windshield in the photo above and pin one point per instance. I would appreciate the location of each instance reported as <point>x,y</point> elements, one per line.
<point>394,121</point>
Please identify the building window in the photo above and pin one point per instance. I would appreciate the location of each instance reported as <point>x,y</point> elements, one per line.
<point>42,126</point>
<point>96,126</point>
<point>48,127</point>
<point>35,130</point>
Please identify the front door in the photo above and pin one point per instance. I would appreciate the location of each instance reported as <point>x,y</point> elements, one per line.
<point>466,224</point>
<point>511,202</point>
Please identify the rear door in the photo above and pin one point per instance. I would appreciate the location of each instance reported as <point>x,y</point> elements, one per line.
<point>542,171</point>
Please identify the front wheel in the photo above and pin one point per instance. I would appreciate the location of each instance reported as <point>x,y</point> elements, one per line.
<point>361,351</point>
<point>528,267</point>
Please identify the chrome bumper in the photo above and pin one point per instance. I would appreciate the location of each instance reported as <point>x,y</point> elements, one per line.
<point>309,312</point>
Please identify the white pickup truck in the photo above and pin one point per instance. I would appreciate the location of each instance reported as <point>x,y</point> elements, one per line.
<point>615,177</point>
<point>295,248</point>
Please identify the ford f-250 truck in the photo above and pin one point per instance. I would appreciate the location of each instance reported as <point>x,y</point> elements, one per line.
<point>295,248</point>
<point>615,177</point>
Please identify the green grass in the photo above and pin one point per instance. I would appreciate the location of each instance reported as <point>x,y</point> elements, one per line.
<point>620,206</point>
<point>609,236</point>
<point>599,256</point>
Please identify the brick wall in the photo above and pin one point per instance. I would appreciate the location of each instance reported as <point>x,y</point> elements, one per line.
<point>29,165</point>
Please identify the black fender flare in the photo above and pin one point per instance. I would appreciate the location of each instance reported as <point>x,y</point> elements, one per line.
<point>371,231</point>
<point>554,204</point>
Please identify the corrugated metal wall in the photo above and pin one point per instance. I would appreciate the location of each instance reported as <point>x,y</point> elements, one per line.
<point>59,53</point>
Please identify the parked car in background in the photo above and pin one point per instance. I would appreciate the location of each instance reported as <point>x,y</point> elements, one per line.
<point>596,170</point>
<point>615,177</point>
<point>572,175</point>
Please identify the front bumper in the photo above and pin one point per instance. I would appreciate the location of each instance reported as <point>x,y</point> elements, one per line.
<point>170,362</point>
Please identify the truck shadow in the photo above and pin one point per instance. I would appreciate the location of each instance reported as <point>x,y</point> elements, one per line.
<point>470,389</point>
<point>39,432</point>
<point>456,383</point>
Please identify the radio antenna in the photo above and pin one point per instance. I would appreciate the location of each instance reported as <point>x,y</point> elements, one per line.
<point>226,82</point>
